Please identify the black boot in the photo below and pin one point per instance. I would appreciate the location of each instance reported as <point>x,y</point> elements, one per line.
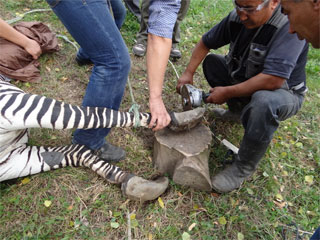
<point>244,165</point>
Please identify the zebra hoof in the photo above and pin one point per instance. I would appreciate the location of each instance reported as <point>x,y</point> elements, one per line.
<point>186,120</point>
<point>140,189</point>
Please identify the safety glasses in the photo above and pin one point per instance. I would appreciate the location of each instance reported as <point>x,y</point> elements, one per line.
<point>249,10</point>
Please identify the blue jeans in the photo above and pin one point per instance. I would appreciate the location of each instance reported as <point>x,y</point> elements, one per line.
<point>262,112</point>
<point>119,12</point>
<point>91,24</point>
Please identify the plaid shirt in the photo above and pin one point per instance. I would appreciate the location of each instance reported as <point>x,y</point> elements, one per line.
<point>162,17</point>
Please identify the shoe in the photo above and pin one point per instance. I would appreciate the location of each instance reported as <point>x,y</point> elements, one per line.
<point>110,153</point>
<point>175,53</point>
<point>226,115</point>
<point>81,61</point>
<point>139,49</point>
<point>229,179</point>
<point>243,166</point>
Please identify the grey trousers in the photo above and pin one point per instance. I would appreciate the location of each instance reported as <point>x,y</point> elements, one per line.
<point>142,35</point>
<point>262,112</point>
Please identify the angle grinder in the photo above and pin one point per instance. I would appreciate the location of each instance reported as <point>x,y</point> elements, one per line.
<point>192,97</point>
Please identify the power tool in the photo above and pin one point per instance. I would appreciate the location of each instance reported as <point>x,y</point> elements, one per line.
<point>192,97</point>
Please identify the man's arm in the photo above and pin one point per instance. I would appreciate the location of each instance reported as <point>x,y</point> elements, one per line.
<point>158,52</point>
<point>12,35</point>
<point>220,95</point>
<point>162,17</point>
<point>198,54</point>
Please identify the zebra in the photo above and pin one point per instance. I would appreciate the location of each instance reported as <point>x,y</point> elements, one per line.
<point>20,111</point>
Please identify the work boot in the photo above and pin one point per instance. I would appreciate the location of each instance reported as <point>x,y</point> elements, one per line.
<point>139,49</point>
<point>175,53</point>
<point>110,153</point>
<point>243,166</point>
<point>226,115</point>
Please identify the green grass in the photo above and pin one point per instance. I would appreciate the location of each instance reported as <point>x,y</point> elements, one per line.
<point>86,207</point>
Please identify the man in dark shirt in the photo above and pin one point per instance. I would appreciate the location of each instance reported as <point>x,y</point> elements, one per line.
<point>262,79</point>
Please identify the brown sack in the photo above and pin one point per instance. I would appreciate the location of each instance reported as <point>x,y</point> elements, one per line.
<point>17,63</point>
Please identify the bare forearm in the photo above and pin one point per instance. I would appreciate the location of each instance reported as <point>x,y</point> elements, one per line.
<point>12,35</point>
<point>256,83</point>
<point>199,53</point>
<point>157,58</point>
<point>9,33</point>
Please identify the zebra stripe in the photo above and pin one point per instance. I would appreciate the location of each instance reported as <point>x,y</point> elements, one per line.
<point>20,111</point>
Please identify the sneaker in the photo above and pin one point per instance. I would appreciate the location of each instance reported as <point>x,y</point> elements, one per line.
<point>175,53</point>
<point>226,115</point>
<point>110,153</point>
<point>139,49</point>
<point>83,61</point>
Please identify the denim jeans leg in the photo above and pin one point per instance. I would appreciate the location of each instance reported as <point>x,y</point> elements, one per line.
<point>119,12</point>
<point>262,116</point>
<point>91,24</point>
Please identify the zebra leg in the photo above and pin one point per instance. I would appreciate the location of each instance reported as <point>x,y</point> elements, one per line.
<point>29,160</point>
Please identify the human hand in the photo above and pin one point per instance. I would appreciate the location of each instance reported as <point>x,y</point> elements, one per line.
<point>159,115</point>
<point>33,48</point>
<point>186,78</point>
<point>218,95</point>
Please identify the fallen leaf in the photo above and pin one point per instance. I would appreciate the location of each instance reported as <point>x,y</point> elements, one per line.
<point>150,236</point>
<point>132,216</point>
<point>70,207</point>
<point>249,190</point>
<point>222,220</point>
<point>308,179</point>
<point>240,236</point>
<point>161,204</point>
<point>290,204</point>
<point>216,195</point>
<point>114,224</point>
<point>47,203</point>
<point>48,69</point>
<point>279,197</point>
<point>191,226</point>
<point>311,213</point>
<point>280,204</point>
<point>116,214</point>
<point>25,180</point>
<point>283,154</point>
<point>186,236</point>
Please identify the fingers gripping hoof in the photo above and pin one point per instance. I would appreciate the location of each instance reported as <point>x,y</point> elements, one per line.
<point>186,120</point>
<point>142,190</point>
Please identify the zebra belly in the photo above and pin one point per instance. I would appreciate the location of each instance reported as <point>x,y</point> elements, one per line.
<point>22,161</point>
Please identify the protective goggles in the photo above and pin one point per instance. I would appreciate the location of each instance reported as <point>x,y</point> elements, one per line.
<point>249,10</point>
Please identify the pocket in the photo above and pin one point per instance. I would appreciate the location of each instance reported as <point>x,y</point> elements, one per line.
<point>255,61</point>
<point>53,3</point>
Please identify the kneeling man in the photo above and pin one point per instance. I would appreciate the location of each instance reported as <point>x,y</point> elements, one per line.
<point>262,79</point>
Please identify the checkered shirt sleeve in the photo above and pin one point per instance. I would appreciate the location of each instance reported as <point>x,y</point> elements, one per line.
<point>162,17</point>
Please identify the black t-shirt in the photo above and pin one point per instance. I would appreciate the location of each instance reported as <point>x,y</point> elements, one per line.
<point>286,57</point>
